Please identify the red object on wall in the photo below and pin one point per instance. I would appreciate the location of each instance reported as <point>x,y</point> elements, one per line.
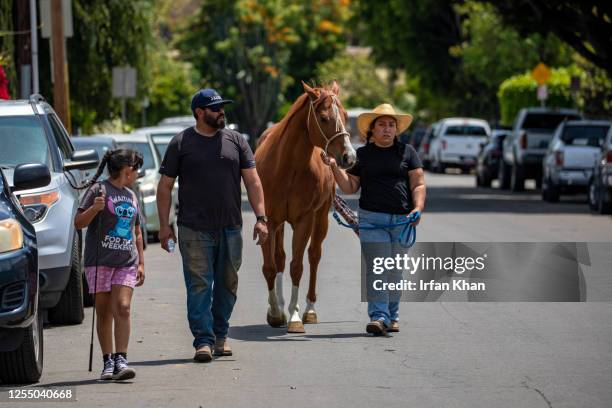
<point>4,92</point>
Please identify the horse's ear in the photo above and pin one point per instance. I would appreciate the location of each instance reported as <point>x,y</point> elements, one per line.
<point>335,88</point>
<point>312,93</point>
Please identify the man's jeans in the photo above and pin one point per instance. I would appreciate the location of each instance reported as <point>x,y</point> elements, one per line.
<point>382,305</point>
<point>211,260</point>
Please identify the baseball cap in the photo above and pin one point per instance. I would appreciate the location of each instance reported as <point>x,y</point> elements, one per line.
<point>207,97</point>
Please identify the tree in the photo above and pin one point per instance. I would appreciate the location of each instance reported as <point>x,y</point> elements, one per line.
<point>363,84</point>
<point>585,25</point>
<point>253,51</point>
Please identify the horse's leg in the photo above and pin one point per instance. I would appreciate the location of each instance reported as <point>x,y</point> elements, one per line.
<point>279,261</point>
<point>275,315</point>
<point>319,231</point>
<point>301,233</point>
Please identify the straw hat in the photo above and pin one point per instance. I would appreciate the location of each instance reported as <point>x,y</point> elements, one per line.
<point>364,120</point>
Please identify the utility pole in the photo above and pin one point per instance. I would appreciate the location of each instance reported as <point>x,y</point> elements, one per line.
<point>34,43</point>
<point>61,97</point>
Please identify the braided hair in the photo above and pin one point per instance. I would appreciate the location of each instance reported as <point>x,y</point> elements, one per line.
<point>115,161</point>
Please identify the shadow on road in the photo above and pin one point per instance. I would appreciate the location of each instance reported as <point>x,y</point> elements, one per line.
<point>263,332</point>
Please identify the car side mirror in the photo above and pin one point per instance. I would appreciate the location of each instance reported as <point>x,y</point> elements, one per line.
<point>82,160</point>
<point>31,175</point>
<point>141,172</point>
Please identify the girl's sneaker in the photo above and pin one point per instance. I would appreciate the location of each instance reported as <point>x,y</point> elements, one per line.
<point>122,371</point>
<point>109,369</point>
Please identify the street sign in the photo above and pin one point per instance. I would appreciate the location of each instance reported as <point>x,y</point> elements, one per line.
<point>45,17</point>
<point>541,73</point>
<point>124,82</point>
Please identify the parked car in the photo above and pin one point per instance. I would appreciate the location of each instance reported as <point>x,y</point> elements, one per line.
<point>160,136</point>
<point>351,126</point>
<point>416,137</point>
<point>424,147</point>
<point>487,163</point>
<point>572,154</point>
<point>30,132</point>
<point>21,319</point>
<point>526,146</point>
<point>178,121</point>
<point>458,143</point>
<point>600,184</point>
<point>148,183</point>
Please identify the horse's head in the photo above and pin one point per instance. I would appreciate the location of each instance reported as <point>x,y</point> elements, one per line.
<point>326,124</point>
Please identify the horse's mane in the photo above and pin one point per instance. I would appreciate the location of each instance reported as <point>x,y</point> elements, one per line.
<point>280,128</point>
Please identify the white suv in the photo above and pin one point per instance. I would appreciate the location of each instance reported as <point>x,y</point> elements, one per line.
<point>31,132</point>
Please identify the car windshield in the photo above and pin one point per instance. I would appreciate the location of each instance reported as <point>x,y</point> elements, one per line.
<point>584,135</point>
<point>145,149</point>
<point>466,130</point>
<point>23,140</point>
<point>161,143</point>
<point>546,121</point>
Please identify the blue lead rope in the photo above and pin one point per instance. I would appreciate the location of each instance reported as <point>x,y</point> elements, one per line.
<point>407,236</point>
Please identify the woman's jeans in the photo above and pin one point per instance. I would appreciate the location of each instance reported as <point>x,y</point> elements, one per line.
<point>211,260</point>
<point>384,304</point>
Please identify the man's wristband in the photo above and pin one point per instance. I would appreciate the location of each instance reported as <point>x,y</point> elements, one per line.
<point>262,218</point>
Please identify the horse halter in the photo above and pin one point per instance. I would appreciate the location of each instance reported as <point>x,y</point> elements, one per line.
<point>340,130</point>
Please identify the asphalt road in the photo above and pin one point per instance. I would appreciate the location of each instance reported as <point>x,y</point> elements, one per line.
<point>448,354</point>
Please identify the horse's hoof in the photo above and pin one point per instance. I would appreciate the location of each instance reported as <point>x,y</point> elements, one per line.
<point>277,321</point>
<point>310,318</point>
<point>295,327</point>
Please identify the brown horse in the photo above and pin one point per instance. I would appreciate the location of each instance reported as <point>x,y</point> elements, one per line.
<point>298,189</point>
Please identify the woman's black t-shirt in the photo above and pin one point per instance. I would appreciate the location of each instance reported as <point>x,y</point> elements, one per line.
<point>383,174</point>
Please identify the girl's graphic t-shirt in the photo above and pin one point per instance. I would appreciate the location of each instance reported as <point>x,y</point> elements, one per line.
<point>115,245</point>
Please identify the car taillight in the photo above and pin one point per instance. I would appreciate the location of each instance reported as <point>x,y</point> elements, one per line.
<point>426,148</point>
<point>35,206</point>
<point>559,159</point>
<point>444,144</point>
<point>523,140</point>
<point>609,157</point>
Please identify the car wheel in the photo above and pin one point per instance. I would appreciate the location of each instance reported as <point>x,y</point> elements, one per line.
<point>593,196</point>
<point>486,180</point>
<point>24,364</point>
<point>69,310</point>
<point>504,175</point>
<point>517,178</point>
<point>603,206</point>
<point>550,193</point>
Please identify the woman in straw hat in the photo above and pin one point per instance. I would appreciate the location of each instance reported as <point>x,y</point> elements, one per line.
<point>390,176</point>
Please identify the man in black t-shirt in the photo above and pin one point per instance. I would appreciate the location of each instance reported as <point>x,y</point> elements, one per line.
<point>210,161</point>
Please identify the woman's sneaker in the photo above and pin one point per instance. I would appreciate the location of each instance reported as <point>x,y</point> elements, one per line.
<point>122,371</point>
<point>108,370</point>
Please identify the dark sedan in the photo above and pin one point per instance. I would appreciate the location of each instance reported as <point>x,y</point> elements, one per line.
<point>21,324</point>
<point>487,162</point>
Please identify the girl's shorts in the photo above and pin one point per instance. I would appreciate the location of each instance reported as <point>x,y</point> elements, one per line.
<point>108,276</point>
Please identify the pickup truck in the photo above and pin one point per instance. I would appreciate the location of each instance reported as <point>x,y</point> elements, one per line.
<point>525,147</point>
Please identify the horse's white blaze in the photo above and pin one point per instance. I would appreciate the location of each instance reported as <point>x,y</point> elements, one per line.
<point>294,308</point>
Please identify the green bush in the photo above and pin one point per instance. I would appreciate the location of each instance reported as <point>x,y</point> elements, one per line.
<point>519,92</point>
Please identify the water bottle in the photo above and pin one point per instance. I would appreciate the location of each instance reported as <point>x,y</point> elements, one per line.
<point>171,245</point>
